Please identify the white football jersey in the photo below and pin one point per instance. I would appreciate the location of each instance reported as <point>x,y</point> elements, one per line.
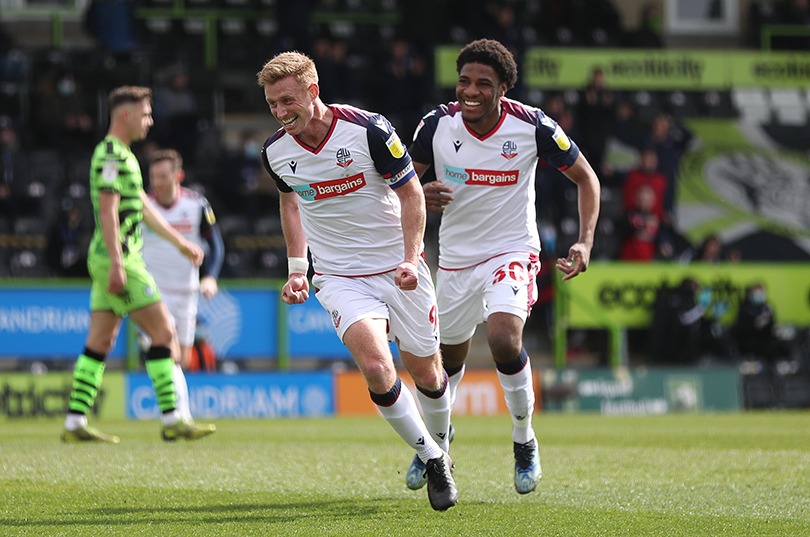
<point>492,177</point>
<point>173,271</point>
<point>349,211</point>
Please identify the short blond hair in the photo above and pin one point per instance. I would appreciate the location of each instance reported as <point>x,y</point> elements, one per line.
<point>294,64</point>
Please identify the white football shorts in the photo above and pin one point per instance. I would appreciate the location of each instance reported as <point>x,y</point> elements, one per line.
<point>466,297</point>
<point>183,309</point>
<point>411,315</point>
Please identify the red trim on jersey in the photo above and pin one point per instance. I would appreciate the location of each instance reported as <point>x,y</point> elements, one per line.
<point>316,150</point>
<point>172,204</point>
<point>492,131</point>
<point>422,255</point>
<point>482,261</point>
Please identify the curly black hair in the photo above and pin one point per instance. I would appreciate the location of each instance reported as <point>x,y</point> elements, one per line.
<point>492,53</point>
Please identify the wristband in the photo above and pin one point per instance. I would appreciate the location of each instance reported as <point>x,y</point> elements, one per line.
<point>297,265</point>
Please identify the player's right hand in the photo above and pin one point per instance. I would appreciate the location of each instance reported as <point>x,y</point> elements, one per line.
<point>192,251</point>
<point>437,196</point>
<point>117,280</point>
<point>296,290</point>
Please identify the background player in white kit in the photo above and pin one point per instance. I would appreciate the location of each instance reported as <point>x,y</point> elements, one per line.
<point>179,281</point>
<point>348,191</point>
<point>485,149</point>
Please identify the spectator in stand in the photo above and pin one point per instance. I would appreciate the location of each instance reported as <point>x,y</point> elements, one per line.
<point>63,117</point>
<point>648,32</point>
<point>670,141</point>
<point>642,228</point>
<point>711,250</point>
<point>12,171</point>
<point>177,114</point>
<point>754,327</point>
<point>68,240</point>
<point>406,84</point>
<point>627,127</point>
<point>596,111</point>
<point>646,174</point>
<point>112,25</point>
<point>676,321</point>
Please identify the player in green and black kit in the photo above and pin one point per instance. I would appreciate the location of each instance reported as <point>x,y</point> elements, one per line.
<point>121,283</point>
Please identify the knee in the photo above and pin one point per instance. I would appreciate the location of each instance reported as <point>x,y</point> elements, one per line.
<point>505,346</point>
<point>429,377</point>
<point>162,337</point>
<point>379,376</point>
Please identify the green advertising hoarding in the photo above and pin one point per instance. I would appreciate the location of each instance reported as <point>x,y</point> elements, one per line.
<point>26,395</point>
<point>563,68</point>
<point>645,391</point>
<point>624,293</point>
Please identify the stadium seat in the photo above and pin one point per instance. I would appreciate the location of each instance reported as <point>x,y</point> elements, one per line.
<point>788,106</point>
<point>268,225</point>
<point>752,104</point>
<point>682,104</point>
<point>29,263</point>
<point>30,226</point>
<point>716,104</point>
<point>232,225</point>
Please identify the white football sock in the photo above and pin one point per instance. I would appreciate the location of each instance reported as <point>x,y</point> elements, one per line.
<point>519,394</point>
<point>404,417</point>
<point>452,383</point>
<point>437,416</point>
<point>74,421</point>
<point>182,404</point>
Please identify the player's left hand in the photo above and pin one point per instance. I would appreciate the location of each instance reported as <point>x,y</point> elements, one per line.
<point>208,287</point>
<point>406,276</point>
<point>192,251</point>
<point>577,261</point>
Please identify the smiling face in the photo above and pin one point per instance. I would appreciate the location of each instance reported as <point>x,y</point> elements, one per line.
<point>479,91</point>
<point>164,180</point>
<point>291,103</point>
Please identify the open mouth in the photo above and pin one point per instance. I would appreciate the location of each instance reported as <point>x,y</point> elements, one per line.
<point>286,123</point>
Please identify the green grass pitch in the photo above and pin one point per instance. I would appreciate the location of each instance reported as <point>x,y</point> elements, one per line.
<point>676,475</point>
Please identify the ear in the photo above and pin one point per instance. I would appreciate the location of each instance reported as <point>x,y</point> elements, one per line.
<point>181,176</point>
<point>314,91</point>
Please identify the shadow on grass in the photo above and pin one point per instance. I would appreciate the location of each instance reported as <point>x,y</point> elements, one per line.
<point>346,510</point>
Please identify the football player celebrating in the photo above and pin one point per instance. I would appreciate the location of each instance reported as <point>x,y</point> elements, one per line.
<point>485,149</point>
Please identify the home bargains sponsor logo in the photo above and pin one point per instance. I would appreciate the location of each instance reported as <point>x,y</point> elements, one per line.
<point>481,177</point>
<point>330,189</point>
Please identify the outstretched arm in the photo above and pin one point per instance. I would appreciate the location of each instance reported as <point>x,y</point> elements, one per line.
<point>158,224</point>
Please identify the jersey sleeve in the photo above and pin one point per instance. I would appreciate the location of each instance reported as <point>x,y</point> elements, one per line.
<point>390,157</point>
<point>553,145</point>
<point>282,186</point>
<point>209,231</point>
<point>421,149</point>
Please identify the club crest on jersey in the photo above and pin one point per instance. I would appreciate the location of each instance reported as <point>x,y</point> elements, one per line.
<point>336,318</point>
<point>344,157</point>
<point>109,172</point>
<point>509,150</point>
<point>330,189</point>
